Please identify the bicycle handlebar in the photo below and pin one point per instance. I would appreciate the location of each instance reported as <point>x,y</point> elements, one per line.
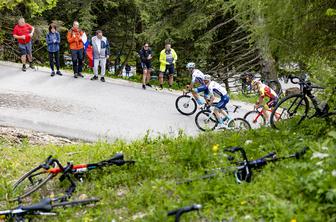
<point>178,212</point>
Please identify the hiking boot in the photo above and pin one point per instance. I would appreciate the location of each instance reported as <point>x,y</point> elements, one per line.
<point>94,78</point>
<point>59,73</point>
<point>143,86</point>
<point>24,68</point>
<point>80,75</point>
<point>102,79</point>
<point>52,73</point>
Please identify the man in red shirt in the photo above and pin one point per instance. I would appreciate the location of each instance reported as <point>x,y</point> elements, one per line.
<point>23,32</point>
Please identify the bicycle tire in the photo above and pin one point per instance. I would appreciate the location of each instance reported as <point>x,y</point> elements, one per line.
<point>239,124</point>
<point>19,185</point>
<point>179,107</point>
<point>285,113</point>
<point>203,117</point>
<point>254,120</point>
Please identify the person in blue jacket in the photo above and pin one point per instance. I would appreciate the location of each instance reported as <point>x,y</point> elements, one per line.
<point>53,42</point>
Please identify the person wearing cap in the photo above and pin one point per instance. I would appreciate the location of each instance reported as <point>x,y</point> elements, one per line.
<point>215,89</point>
<point>23,32</point>
<point>168,59</point>
<point>197,77</point>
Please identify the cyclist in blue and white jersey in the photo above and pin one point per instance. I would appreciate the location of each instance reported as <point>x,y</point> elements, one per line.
<point>197,78</point>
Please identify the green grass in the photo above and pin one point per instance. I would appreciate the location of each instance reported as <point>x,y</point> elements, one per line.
<point>304,190</point>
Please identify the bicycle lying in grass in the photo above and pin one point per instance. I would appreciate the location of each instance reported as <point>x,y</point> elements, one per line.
<point>243,169</point>
<point>178,212</point>
<point>44,207</point>
<point>257,118</point>
<point>296,107</point>
<point>206,120</point>
<point>40,175</point>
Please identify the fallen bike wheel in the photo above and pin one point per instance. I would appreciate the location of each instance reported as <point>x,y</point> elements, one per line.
<point>255,119</point>
<point>239,124</point>
<point>186,105</point>
<point>31,182</point>
<point>294,107</point>
<point>206,120</point>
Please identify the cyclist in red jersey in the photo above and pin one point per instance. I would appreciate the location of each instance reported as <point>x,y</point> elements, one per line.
<point>265,91</point>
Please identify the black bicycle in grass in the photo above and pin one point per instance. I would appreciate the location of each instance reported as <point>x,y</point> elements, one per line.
<point>178,212</point>
<point>244,168</point>
<point>296,107</point>
<point>33,180</point>
<point>42,208</point>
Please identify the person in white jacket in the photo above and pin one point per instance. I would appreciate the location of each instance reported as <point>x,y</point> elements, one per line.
<point>101,52</point>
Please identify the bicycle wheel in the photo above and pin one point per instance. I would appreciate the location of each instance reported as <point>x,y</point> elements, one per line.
<point>255,119</point>
<point>206,120</point>
<point>31,182</point>
<point>239,124</point>
<point>294,107</point>
<point>186,105</point>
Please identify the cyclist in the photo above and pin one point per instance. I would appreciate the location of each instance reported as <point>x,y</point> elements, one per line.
<point>265,91</point>
<point>197,78</point>
<point>215,88</point>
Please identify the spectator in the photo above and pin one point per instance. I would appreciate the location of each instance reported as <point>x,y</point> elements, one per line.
<point>74,37</point>
<point>23,32</point>
<point>127,69</point>
<point>53,41</point>
<point>146,57</point>
<point>168,59</point>
<point>101,52</point>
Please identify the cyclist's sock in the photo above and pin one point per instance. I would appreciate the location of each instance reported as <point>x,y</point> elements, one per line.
<point>221,121</point>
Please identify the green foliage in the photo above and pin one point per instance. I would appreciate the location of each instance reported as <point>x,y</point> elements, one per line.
<point>291,189</point>
<point>36,7</point>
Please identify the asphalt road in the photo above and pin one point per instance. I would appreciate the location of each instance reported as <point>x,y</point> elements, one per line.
<point>88,110</point>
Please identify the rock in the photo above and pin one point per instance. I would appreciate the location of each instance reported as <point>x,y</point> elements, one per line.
<point>292,91</point>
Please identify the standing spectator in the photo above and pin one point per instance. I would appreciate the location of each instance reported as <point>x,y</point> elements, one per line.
<point>146,57</point>
<point>101,52</point>
<point>53,41</point>
<point>74,37</point>
<point>127,69</point>
<point>168,59</point>
<point>23,32</point>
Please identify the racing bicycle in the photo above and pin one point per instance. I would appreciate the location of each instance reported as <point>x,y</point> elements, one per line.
<point>206,120</point>
<point>33,180</point>
<point>296,107</point>
<point>257,118</point>
<point>243,169</point>
<point>44,207</point>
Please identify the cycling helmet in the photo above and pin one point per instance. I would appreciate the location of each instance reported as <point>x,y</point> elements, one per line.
<point>207,78</point>
<point>255,82</point>
<point>191,65</point>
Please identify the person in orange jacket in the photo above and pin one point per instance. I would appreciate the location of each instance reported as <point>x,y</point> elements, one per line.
<point>76,45</point>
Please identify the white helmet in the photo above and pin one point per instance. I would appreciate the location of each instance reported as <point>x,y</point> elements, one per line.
<point>207,77</point>
<point>190,65</point>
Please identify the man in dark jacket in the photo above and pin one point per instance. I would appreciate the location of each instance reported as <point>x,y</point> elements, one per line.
<point>146,57</point>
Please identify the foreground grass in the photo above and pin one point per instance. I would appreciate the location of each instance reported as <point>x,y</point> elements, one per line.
<point>303,190</point>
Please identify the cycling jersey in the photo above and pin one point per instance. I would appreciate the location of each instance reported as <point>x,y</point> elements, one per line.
<point>197,77</point>
<point>216,89</point>
<point>265,90</point>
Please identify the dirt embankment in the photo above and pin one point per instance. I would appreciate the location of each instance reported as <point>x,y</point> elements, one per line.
<point>15,136</point>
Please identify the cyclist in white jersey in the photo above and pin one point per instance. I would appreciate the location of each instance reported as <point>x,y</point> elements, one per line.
<point>215,89</point>
<point>197,78</point>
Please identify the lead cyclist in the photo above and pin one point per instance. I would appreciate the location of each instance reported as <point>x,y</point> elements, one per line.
<point>197,77</point>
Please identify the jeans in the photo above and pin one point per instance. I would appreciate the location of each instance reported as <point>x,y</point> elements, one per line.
<point>77,60</point>
<point>52,56</point>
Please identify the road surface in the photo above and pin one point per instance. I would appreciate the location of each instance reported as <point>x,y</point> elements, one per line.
<point>88,110</point>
